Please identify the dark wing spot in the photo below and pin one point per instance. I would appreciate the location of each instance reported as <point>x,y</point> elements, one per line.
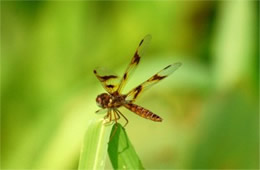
<point>167,67</point>
<point>156,77</point>
<point>125,75</point>
<point>136,58</point>
<point>105,78</point>
<point>141,42</point>
<point>95,72</point>
<point>110,86</point>
<point>137,91</point>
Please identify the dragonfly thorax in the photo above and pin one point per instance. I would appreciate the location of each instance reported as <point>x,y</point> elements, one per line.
<point>106,100</point>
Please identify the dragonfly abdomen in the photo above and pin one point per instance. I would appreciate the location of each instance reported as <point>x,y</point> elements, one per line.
<point>145,113</point>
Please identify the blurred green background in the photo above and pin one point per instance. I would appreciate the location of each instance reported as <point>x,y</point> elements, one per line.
<point>210,105</point>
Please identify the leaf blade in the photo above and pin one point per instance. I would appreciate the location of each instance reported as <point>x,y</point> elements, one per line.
<point>121,152</point>
<point>93,153</point>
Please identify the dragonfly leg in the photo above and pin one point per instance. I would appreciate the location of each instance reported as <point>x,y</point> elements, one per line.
<point>119,113</point>
<point>116,114</point>
<point>109,117</point>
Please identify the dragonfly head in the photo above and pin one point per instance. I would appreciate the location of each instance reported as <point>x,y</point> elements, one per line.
<point>103,100</point>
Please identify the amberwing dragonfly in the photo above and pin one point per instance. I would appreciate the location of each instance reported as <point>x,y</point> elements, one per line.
<point>113,84</point>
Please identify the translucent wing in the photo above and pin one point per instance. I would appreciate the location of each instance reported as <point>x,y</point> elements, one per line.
<point>109,80</point>
<point>134,93</point>
<point>135,61</point>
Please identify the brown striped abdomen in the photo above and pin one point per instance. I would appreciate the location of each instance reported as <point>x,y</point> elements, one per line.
<point>143,112</point>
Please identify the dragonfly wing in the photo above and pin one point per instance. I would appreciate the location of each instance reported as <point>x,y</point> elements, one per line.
<point>109,80</point>
<point>134,93</point>
<point>135,61</point>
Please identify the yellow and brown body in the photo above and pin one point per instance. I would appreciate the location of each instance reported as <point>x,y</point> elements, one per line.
<point>145,113</point>
<point>115,101</point>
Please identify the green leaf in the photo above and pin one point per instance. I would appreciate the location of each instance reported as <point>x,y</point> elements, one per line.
<point>121,152</point>
<point>94,150</point>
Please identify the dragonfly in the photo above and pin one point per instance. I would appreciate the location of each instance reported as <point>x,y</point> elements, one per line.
<point>113,99</point>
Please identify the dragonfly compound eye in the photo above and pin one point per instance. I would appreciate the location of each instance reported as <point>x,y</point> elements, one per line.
<point>103,100</point>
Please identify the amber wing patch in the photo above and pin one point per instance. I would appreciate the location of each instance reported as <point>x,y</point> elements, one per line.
<point>109,80</point>
<point>135,61</point>
<point>165,72</point>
